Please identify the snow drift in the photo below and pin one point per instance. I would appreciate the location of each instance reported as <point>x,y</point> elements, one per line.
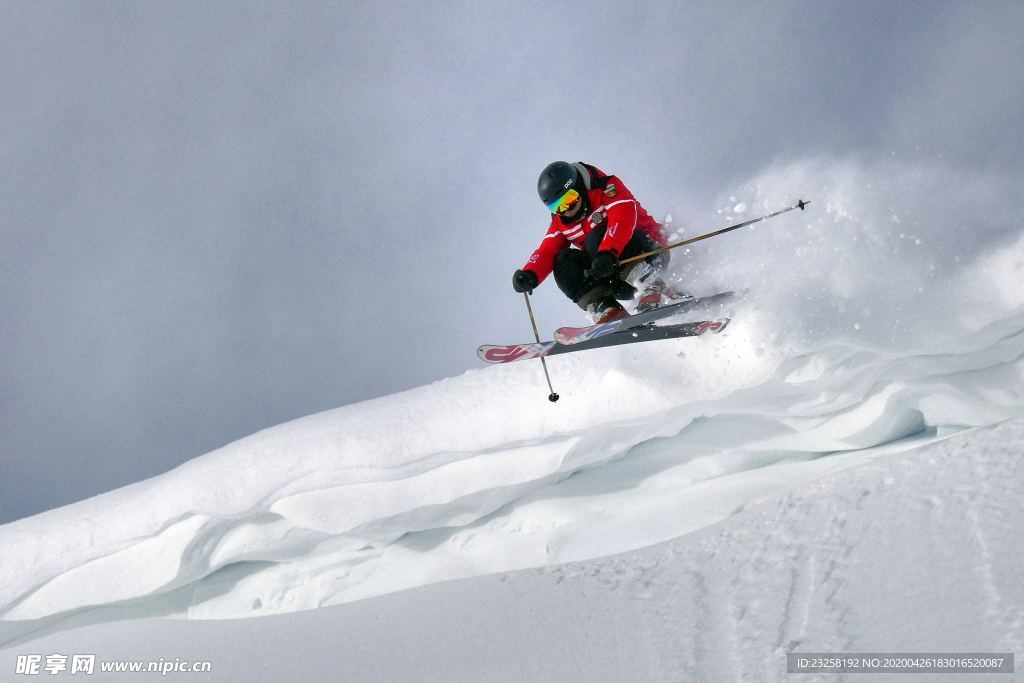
<point>913,552</point>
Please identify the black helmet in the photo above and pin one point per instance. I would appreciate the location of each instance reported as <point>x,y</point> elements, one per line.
<point>556,179</point>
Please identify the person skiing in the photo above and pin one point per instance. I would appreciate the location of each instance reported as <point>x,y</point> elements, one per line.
<point>595,222</point>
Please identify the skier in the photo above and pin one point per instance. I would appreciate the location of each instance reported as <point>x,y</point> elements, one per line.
<point>595,222</point>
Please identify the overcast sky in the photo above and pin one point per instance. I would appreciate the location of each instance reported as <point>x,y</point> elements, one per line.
<point>220,216</point>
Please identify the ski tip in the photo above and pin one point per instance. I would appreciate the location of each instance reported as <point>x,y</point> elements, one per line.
<point>493,353</point>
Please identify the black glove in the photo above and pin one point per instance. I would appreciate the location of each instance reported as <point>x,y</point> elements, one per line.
<point>524,281</point>
<point>602,267</point>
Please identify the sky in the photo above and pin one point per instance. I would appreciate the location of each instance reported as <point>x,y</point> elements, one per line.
<point>217,217</point>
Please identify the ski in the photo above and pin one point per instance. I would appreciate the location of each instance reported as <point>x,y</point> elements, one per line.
<point>491,353</point>
<point>577,335</point>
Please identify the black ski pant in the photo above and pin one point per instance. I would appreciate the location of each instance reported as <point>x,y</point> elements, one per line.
<point>571,264</point>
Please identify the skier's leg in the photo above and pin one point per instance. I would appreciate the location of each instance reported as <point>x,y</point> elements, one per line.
<point>639,272</point>
<point>616,288</point>
<point>593,297</point>
<point>646,275</point>
<point>570,264</point>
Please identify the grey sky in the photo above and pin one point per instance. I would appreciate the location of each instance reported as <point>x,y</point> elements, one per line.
<point>217,216</point>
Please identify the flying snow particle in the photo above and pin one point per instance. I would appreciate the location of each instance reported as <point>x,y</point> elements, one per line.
<point>739,208</point>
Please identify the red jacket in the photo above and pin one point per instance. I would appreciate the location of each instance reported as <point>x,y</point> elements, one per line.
<point>610,203</point>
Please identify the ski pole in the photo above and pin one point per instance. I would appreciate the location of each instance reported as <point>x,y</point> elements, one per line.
<point>533,321</point>
<point>799,205</point>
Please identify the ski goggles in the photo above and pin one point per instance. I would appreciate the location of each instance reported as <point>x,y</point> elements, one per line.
<point>565,202</point>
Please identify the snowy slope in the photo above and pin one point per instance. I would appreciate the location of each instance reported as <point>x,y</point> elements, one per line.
<point>827,365</point>
<point>915,552</point>
<point>426,486</point>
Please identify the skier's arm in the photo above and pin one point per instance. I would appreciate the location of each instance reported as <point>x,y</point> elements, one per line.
<point>542,262</point>
<point>623,215</point>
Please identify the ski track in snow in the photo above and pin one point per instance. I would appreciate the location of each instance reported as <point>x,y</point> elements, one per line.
<point>894,555</point>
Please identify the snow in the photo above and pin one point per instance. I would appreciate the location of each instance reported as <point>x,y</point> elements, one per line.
<point>711,489</point>
<point>478,474</point>
<point>913,551</point>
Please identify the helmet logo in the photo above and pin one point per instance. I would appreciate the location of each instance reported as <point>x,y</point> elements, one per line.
<point>568,184</point>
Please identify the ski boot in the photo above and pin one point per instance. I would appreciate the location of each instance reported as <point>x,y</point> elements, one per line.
<point>652,295</point>
<point>606,310</point>
<point>655,292</point>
